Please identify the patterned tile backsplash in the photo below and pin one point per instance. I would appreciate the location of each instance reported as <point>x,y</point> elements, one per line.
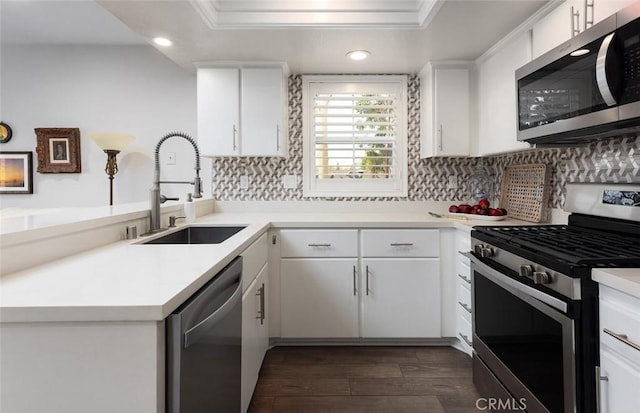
<point>611,160</point>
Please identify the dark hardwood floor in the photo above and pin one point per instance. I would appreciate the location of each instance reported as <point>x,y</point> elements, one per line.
<point>365,380</point>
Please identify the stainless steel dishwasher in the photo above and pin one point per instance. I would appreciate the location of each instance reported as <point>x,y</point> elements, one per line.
<point>204,347</point>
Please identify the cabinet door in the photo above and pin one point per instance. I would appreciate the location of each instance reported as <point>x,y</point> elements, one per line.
<point>401,297</point>
<point>255,334</point>
<point>605,8</point>
<point>318,298</point>
<point>262,105</point>
<point>445,111</point>
<point>555,27</point>
<point>218,111</point>
<point>620,391</point>
<point>451,112</point>
<point>497,117</point>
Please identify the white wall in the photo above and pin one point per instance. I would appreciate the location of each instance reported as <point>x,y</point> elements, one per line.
<point>125,89</point>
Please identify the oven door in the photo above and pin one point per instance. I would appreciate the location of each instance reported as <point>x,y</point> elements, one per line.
<point>525,338</point>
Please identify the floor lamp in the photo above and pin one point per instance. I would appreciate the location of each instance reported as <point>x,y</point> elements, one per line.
<point>112,144</point>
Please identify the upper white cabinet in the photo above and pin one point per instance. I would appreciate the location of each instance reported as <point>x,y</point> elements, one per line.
<point>497,111</point>
<point>242,111</point>
<point>445,109</point>
<point>560,25</point>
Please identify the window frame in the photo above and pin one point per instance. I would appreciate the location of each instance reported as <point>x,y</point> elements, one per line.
<point>356,188</point>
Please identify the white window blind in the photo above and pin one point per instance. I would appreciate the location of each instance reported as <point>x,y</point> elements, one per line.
<point>355,136</point>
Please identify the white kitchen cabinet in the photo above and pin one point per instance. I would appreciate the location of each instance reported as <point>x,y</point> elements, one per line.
<point>242,111</point>
<point>324,278</point>
<point>463,291</point>
<point>400,291</point>
<point>619,351</point>
<point>255,315</point>
<point>555,28</point>
<point>401,298</point>
<point>319,298</point>
<point>255,333</point>
<point>497,115</point>
<point>445,94</point>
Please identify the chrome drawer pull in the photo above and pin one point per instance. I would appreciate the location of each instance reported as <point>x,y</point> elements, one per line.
<point>466,307</point>
<point>319,245</point>
<point>599,378</point>
<point>355,291</point>
<point>466,339</point>
<point>465,279</point>
<point>623,338</point>
<point>401,244</point>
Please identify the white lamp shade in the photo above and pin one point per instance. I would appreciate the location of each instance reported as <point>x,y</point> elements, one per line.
<point>111,141</point>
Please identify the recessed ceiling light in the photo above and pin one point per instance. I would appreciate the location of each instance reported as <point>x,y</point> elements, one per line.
<point>162,41</point>
<point>579,52</point>
<point>358,54</point>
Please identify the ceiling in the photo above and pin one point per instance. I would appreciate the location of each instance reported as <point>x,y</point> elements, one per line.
<point>312,36</point>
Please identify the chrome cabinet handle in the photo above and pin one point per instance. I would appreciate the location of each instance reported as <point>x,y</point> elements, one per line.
<point>261,313</point>
<point>466,339</point>
<point>589,5</point>
<point>601,71</point>
<point>575,21</point>
<point>440,132</point>
<point>622,337</point>
<point>466,307</point>
<point>319,245</point>
<point>465,279</point>
<point>401,244</point>
<point>367,286</point>
<point>599,378</point>
<point>355,291</point>
<point>278,138</point>
<point>235,132</point>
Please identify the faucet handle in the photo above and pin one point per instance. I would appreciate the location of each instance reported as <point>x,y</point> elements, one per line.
<point>164,199</point>
<point>172,220</point>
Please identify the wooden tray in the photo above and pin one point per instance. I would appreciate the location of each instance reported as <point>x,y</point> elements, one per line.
<point>525,192</point>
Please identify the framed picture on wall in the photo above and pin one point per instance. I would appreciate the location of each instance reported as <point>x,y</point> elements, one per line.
<point>58,150</point>
<point>16,173</point>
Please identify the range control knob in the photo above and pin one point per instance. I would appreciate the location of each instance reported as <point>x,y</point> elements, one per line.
<point>526,270</point>
<point>541,277</point>
<point>487,252</point>
<point>478,249</point>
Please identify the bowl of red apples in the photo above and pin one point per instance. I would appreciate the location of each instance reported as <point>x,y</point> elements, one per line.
<point>481,210</point>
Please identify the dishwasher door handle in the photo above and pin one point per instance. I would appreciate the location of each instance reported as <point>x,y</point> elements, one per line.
<point>196,332</point>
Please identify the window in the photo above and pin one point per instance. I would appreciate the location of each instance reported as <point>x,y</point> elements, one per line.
<point>354,130</point>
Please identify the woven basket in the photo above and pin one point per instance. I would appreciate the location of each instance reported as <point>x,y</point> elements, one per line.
<point>525,192</point>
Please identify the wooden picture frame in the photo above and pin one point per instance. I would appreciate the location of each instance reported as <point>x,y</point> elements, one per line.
<point>16,173</point>
<point>58,150</point>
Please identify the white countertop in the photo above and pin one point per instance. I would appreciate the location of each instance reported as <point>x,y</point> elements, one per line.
<point>128,281</point>
<point>626,280</point>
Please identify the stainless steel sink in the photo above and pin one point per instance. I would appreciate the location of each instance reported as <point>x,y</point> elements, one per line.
<point>198,235</point>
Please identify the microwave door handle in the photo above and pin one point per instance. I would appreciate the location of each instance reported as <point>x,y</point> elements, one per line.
<point>601,70</point>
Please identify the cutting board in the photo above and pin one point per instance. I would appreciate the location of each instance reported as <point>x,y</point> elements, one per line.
<point>525,192</point>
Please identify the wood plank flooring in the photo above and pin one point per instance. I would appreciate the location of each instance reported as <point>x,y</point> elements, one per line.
<point>348,379</point>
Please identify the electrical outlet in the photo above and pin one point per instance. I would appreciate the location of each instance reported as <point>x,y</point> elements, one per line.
<point>453,182</point>
<point>290,181</point>
<point>170,159</point>
<point>244,182</point>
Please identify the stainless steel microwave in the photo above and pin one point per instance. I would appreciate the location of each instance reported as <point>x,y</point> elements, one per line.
<point>587,87</point>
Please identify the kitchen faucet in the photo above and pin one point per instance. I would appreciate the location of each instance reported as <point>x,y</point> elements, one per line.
<point>156,197</point>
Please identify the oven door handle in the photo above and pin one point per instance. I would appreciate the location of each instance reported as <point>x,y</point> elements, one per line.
<point>504,281</point>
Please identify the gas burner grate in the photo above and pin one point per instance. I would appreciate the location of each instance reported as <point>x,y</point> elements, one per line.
<point>573,245</point>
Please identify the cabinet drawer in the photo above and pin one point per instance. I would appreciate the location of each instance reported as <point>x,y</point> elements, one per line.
<point>400,243</point>
<point>464,331</point>
<point>620,316</point>
<point>319,243</point>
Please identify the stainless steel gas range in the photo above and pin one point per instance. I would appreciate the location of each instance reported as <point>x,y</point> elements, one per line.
<point>535,310</point>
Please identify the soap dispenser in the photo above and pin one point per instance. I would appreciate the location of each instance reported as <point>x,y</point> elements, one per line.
<point>189,209</point>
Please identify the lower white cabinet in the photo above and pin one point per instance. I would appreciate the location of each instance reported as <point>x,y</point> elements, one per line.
<point>463,291</point>
<point>359,283</point>
<point>401,298</point>
<point>619,351</point>
<point>319,298</point>
<point>255,313</point>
